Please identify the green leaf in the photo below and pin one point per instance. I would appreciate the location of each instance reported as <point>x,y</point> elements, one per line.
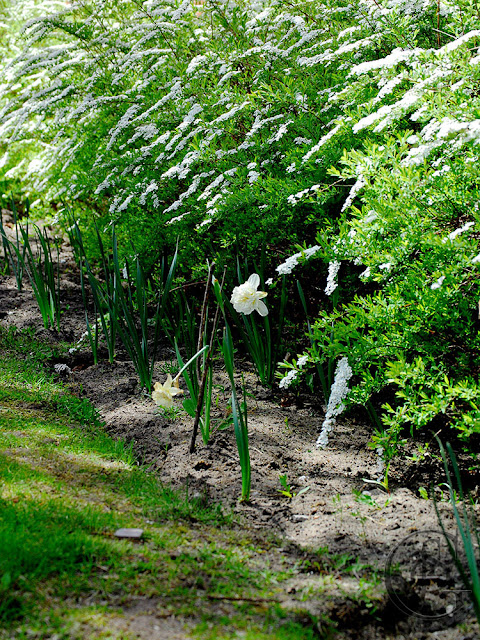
<point>190,407</point>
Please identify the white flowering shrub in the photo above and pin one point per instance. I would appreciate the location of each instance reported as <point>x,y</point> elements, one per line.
<point>214,121</point>
<point>348,129</point>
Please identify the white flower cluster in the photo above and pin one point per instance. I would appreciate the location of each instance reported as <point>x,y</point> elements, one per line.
<point>332,284</point>
<point>302,361</point>
<point>62,369</point>
<point>323,140</point>
<point>79,343</point>
<point>287,380</point>
<point>451,236</point>
<point>292,375</point>
<point>335,407</point>
<point>358,186</point>
<point>290,263</point>
<point>296,197</point>
<point>438,283</point>
<point>253,176</point>
<point>165,128</point>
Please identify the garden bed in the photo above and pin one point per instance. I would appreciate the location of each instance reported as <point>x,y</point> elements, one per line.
<point>341,511</point>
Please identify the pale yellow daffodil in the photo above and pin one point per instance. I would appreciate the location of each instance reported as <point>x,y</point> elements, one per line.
<point>163,393</point>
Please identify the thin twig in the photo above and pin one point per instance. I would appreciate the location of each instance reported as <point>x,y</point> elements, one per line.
<point>438,24</point>
<point>234,599</point>
<point>191,283</point>
<point>203,316</point>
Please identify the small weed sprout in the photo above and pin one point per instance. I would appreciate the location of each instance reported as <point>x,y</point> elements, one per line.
<point>169,367</point>
<point>287,489</point>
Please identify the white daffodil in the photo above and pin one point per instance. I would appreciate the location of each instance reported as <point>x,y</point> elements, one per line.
<point>245,298</point>
<point>163,393</point>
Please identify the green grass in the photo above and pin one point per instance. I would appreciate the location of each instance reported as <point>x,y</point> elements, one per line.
<point>65,487</point>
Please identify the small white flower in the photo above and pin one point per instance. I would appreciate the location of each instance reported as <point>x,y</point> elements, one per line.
<point>269,282</point>
<point>245,298</point>
<point>438,283</point>
<point>163,393</point>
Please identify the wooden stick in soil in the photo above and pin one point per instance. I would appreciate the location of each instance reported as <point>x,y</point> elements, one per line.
<point>203,383</point>
<point>236,599</point>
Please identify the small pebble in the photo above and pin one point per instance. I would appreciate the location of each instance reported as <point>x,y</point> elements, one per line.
<point>62,370</point>
<point>129,533</point>
<point>298,517</point>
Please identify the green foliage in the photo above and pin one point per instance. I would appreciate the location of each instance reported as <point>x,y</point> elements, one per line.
<point>38,261</point>
<point>32,375</point>
<point>44,274</point>
<point>261,342</point>
<point>287,489</point>
<point>14,251</point>
<point>192,126</point>
<point>196,339</point>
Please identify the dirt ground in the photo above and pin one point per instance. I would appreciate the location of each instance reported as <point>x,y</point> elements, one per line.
<point>340,510</point>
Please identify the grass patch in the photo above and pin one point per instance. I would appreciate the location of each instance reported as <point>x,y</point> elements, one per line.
<point>65,487</point>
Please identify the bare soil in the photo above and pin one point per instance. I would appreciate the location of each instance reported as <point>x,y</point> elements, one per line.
<point>335,512</point>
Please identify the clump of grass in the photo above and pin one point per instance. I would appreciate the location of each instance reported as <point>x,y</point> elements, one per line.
<point>467,526</point>
<point>41,265</point>
<point>26,380</point>
<point>13,249</point>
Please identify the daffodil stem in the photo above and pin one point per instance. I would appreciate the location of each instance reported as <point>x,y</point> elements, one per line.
<point>199,353</point>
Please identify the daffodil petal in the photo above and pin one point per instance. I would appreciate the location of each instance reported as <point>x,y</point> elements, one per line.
<point>254,280</point>
<point>176,392</point>
<point>261,307</point>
